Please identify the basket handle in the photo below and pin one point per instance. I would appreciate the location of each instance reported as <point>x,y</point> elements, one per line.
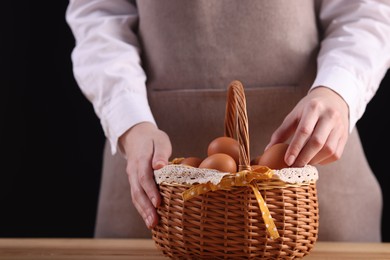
<point>236,121</point>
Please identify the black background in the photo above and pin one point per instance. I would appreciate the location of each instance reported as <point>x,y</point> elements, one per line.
<point>52,141</point>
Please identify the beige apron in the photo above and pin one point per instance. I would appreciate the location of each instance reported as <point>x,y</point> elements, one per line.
<point>192,50</point>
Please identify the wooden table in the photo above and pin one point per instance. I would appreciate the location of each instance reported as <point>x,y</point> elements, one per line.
<point>142,249</point>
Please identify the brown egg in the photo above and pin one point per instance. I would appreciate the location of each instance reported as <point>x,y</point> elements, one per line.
<point>219,161</point>
<point>191,161</point>
<point>273,157</point>
<point>226,145</point>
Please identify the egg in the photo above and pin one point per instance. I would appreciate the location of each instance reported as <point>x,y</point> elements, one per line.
<point>219,161</point>
<point>226,145</point>
<point>191,161</point>
<point>273,157</point>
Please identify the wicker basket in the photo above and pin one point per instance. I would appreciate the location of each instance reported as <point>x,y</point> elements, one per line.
<point>231,223</point>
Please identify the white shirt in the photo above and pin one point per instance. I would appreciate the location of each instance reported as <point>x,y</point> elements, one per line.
<point>353,58</point>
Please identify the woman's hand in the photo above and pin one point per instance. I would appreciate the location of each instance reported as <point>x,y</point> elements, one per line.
<point>318,127</point>
<point>147,149</point>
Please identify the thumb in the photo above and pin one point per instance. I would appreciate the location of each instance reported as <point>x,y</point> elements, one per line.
<point>162,151</point>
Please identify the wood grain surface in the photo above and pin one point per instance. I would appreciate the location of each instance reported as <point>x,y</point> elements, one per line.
<point>144,249</point>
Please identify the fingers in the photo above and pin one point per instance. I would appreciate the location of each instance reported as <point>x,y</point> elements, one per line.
<point>313,134</point>
<point>326,148</point>
<point>332,150</point>
<point>144,192</point>
<point>325,143</point>
<point>147,148</point>
<point>317,127</point>
<point>300,140</point>
<point>142,201</point>
<point>162,150</point>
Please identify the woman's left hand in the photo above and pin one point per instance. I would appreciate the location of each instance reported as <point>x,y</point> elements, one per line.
<point>318,128</point>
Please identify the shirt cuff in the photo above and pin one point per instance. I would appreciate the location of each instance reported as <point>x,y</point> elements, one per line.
<point>347,86</point>
<point>127,110</point>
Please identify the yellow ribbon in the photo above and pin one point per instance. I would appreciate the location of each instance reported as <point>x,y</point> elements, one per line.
<point>242,178</point>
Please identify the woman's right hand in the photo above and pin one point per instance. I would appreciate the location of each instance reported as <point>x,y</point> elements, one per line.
<point>146,149</point>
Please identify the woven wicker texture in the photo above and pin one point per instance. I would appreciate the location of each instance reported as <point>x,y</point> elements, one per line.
<point>228,224</point>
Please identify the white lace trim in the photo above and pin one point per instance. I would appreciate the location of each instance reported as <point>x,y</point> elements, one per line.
<point>304,174</point>
<point>182,174</point>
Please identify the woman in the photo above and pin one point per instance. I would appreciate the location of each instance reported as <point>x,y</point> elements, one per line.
<point>156,73</point>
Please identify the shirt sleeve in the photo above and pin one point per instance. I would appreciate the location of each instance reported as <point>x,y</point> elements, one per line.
<point>107,65</point>
<point>355,50</point>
